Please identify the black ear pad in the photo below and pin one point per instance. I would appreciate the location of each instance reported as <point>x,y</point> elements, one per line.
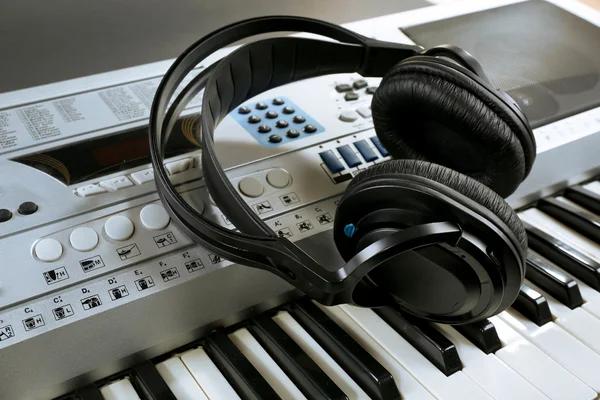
<point>429,111</point>
<point>453,180</point>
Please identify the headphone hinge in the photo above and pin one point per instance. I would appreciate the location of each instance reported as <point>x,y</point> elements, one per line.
<point>381,56</point>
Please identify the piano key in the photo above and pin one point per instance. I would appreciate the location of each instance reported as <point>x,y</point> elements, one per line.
<point>180,380</point>
<point>593,186</point>
<point>265,365</point>
<point>407,384</point>
<point>319,356</point>
<point>302,370</point>
<point>208,376</point>
<point>554,281</point>
<point>119,390</point>
<point>576,357</point>
<point>533,305</point>
<point>151,382</point>
<point>564,255</point>
<point>578,322</point>
<point>538,368</point>
<point>482,334</point>
<point>428,341</point>
<point>489,372</point>
<point>89,392</point>
<point>456,386</point>
<point>236,368</point>
<point>572,216</point>
<point>373,378</point>
<point>584,197</point>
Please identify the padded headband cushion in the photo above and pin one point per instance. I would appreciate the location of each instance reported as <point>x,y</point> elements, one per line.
<point>454,180</point>
<point>429,111</point>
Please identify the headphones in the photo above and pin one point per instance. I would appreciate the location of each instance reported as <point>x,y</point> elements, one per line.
<point>428,231</point>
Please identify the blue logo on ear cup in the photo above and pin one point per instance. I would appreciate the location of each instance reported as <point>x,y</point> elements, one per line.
<point>349,230</point>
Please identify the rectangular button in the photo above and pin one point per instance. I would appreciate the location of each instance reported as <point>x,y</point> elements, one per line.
<point>332,162</point>
<point>90,190</point>
<point>366,151</point>
<point>120,182</point>
<point>349,156</point>
<point>364,112</point>
<point>176,167</point>
<point>144,176</point>
<point>379,146</point>
<point>343,87</point>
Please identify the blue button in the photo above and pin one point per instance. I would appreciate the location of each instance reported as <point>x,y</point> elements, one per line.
<point>366,151</point>
<point>379,146</point>
<point>349,156</point>
<point>332,162</point>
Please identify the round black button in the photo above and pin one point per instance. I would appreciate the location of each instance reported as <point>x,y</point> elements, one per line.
<point>310,128</point>
<point>292,133</point>
<point>278,101</point>
<point>271,114</point>
<point>28,208</point>
<point>261,106</point>
<point>282,124</point>
<point>288,110</point>
<point>244,110</point>
<point>264,129</point>
<point>274,138</point>
<point>5,215</point>
<point>299,119</point>
<point>253,119</point>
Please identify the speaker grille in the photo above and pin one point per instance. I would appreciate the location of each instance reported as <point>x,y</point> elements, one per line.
<point>546,58</point>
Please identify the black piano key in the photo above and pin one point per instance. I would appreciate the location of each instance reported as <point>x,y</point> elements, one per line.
<point>533,306</point>
<point>560,286</point>
<point>583,222</point>
<point>371,376</point>
<point>151,382</point>
<point>236,368</point>
<point>432,344</point>
<point>298,366</point>
<point>584,197</point>
<point>482,334</point>
<point>565,256</point>
<point>90,392</point>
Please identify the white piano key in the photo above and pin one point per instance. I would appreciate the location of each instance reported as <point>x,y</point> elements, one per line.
<point>455,386</point>
<point>574,205</point>
<point>407,385</point>
<point>578,322</point>
<point>208,376</point>
<point>319,356</point>
<point>489,372</point>
<point>543,372</point>
<point>180,380</point>
<point>264,364</point>
<point>571,237</point>
<point>593,187</point>
<point>576,357</point>
<point>119,390</point>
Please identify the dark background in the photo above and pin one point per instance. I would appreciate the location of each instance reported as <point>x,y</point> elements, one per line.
<point>49,41</point>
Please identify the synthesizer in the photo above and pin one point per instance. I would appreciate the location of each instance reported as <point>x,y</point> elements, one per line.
<point>103,297</point>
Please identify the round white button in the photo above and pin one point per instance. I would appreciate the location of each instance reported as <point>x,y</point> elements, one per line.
<point>154,217</point>
<point>278,178</point>
<point>48,250</point>
<point>348,116</point>
<point>251,187</point>
<point>118,228</point>
<point>84,239</point>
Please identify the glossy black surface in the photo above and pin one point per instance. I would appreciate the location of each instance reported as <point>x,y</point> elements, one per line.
<point>533,306</point>
<point>371,376</point>
<point>482,334</point>
<point>565,256</point>
<point>298,366</point>
<point>236,368</point>
<point>5,215</point>
<point>89,392</point>
<point>583,222</point>
<point>151,382</point>
<point>426,339</point>
<point>27,208</point>
<point>560,286</point>
<point>584,197</point>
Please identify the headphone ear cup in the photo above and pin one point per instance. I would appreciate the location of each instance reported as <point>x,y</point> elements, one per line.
<point>428,111</point>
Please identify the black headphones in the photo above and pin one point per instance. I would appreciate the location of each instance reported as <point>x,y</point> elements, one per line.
<point>427,231</point>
